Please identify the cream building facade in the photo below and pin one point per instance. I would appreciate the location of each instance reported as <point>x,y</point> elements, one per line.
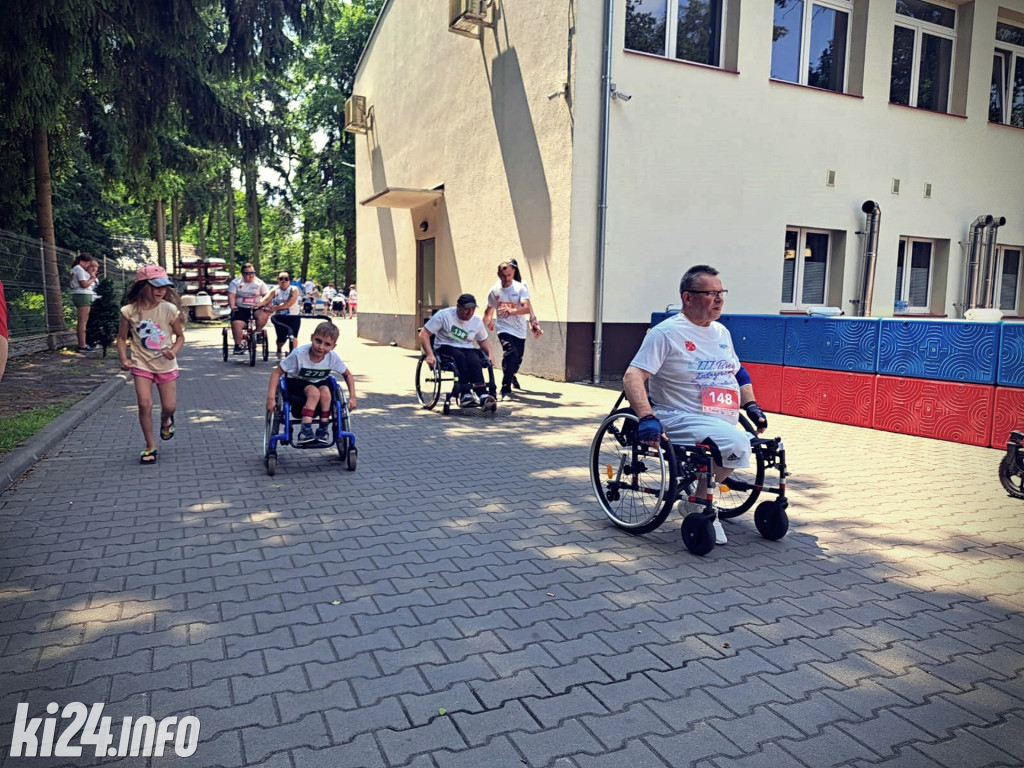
<point>746,134</point>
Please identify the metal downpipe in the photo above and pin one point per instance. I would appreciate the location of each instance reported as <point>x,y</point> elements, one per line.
<point>867,289</point>
<point>990,284</point>
<point>602,200</point>
<point>972,275</point>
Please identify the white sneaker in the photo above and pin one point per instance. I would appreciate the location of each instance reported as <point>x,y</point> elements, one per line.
<point>720,537</point>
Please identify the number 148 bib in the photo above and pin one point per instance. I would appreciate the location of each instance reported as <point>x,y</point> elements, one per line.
<point>721,401</point>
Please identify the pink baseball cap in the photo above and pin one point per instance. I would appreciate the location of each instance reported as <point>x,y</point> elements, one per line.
<point>154,274</point>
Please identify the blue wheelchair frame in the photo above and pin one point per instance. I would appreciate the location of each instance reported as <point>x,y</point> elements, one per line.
<point>343,439</point>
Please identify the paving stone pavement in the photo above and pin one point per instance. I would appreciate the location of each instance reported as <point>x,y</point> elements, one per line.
<point>460,601</point>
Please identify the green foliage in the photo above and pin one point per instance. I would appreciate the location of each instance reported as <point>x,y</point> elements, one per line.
<point>104,316</point>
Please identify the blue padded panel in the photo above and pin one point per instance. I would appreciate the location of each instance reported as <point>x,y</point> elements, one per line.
<point>657,317</point>
<point>944,350</point>
<point>757,338</point>
<point>1011,355</point>
<point>833,343</point>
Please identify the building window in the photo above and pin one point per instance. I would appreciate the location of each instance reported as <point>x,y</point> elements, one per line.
<point>805,262</point>
<point>809,42</point>
<point>1009,279</point>
<point>1006,102</point>
<point>913,277</point>
<point>922,55</point>
<point>690,30</point>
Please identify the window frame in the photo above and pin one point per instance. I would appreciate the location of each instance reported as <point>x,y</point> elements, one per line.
<point>672,30</point>
<point>903,290</point>
<point>1015,310</point>
<point>1012,56</point>
<point>920,28</point>
<point>798,303</point>
<point>806,26</point>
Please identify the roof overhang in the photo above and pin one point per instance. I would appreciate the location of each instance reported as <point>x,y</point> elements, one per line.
<point>401,197</point>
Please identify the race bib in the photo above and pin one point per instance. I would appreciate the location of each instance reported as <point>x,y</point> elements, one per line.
<point>250,301</point>
<point>458,333</point>
<point>508,306</point>
<point>719,400</point>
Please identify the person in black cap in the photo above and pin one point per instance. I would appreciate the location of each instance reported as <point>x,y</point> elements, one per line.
<point>455,330</point>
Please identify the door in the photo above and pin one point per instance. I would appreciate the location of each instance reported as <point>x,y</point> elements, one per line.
<point>426,296</point>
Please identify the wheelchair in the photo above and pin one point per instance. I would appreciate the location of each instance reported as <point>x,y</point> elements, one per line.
<point>276,320</point>
<point>280,427</point>
<point>636,484</point>
<point>1011,466</point>
<point>444,376</point>
<point>251,338</point>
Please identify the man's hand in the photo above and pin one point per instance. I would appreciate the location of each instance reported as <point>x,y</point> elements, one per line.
<point>429,359</point>
<point>757,417</point>
<point>649,431</point>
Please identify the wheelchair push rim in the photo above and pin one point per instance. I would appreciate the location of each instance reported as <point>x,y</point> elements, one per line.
<point>635,484</point>
<point>428,383</point>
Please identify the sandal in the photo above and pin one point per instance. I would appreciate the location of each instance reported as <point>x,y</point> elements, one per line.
<point>167,432</point>
<point>148,457</point>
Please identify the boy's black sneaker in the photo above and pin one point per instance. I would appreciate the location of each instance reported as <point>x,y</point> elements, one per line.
<point>306,435</point>
<point>323,434</point>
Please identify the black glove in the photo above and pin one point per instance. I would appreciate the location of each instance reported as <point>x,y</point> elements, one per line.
<point>649,430</point>
<point>756,415</point>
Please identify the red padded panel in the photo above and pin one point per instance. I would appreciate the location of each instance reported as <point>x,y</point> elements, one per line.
<point>1007,414</point>
<point>767,381</point>
<point>945,410</point>
<point>838,396</point>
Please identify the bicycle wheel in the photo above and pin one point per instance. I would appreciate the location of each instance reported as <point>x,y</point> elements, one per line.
<point>635,484</point>
<point>266,345</point>
<point>252,349</point>
<point>428,383</point>
<point>224,343</point>
<point>1011,476</point>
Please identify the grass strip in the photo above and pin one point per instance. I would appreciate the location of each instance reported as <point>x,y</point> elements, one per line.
<point>16,429</point>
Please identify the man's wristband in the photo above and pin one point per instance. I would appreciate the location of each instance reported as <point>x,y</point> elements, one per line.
<point>648,417</point>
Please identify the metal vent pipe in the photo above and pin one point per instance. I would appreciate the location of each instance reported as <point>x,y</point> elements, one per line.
<point>991,284</point>
<point>972,275</point>
<point>871,226</point>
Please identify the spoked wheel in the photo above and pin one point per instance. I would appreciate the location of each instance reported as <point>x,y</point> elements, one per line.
<point>224,343</point>
<point>272,424</point>
<point>1011,476</point>
<point>266,345</point>
<point>738,492</point>
<point>252,349</point>
<point>635,484</point>
<point>342,443</point>
<point>428,383</point>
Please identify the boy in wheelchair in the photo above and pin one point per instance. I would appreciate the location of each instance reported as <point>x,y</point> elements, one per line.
<point>307,370</point>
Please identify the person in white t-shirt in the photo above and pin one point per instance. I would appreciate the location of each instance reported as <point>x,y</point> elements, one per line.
<point>455,330</point>
<point>245,294</point>
<point>508,307</point>
<point>697,384</point>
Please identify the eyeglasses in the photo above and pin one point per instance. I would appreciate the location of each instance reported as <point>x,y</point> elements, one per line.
<point>248,273</point>
<point>715,294</point>
<point>280,279</point>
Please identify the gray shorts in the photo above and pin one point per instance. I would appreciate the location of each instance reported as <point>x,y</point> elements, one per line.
<point>685,428</point>
<point>82,299</point>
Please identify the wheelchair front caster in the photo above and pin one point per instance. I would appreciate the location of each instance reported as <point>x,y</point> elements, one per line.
<point>271,462</point>
<point>446,408</point>
<point>350,460</point>
<point>698,533</point>
<point>771,519</point>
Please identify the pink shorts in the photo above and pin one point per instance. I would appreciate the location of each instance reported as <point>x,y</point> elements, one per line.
<point>159,378</point>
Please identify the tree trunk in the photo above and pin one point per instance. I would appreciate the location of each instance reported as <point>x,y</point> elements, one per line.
<point>175,234</point>
<point>231,222</point>
<point>220,228</point>
<point>252,207</point>
<point>305,248</point>
<point>161,234</point>
<point>202,236</point>
<point>350,255</point>
<point>44,216</point>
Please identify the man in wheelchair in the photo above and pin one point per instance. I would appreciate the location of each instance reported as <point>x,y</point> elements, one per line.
<point>454,330</point>
<point>697,385</point>
<point>308,368</point>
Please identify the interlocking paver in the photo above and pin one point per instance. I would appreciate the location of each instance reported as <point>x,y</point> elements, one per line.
<point>326,618</point>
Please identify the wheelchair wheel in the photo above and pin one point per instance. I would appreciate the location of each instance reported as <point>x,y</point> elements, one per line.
<point>698,533</point>
<point>224,343</point>
<point>738,492</point>
<point>1011,476</point>
<point>350,460</point>
<point>635,484</point>
<point>272,424</point>
<point>266,345</point>
<point>428,383</point>
<point>252,349</point>
<point>342,425</point>
<point>771,519</point>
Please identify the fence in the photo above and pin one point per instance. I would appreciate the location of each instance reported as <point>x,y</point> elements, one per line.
<point>23,276</point>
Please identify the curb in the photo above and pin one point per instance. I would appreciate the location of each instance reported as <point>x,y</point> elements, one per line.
<point>21,458</point>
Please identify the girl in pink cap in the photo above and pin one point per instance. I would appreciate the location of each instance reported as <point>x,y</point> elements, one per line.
<point>150,317</point>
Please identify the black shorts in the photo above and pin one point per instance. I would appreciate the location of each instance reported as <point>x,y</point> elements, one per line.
<point>241,314</point>
<point>296,388</point>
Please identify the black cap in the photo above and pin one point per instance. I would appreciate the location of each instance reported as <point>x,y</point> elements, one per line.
<point>467,300</point>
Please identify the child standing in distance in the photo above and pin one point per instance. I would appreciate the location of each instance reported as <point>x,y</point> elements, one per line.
<point>308,367</point>
<point>152,313</point>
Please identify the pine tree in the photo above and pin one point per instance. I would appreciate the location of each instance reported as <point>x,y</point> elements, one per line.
<point>104,317</point>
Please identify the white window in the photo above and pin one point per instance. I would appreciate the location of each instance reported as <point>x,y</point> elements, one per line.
<point>922,55</point>
<point>690,30</point>
<point>914,275</point>
<point>1008,288</point>
<point>805,262</point>
<point>1006,100</point>
<point>810,42</point>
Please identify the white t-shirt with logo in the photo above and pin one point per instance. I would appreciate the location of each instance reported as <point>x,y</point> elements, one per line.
<point>449,331</point>
<point>512,298</point>
<point>693,368</point>
<point>247,295</point>
<point>298,365</point>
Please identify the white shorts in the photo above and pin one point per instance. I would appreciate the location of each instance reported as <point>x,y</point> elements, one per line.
<point>686,428</point>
